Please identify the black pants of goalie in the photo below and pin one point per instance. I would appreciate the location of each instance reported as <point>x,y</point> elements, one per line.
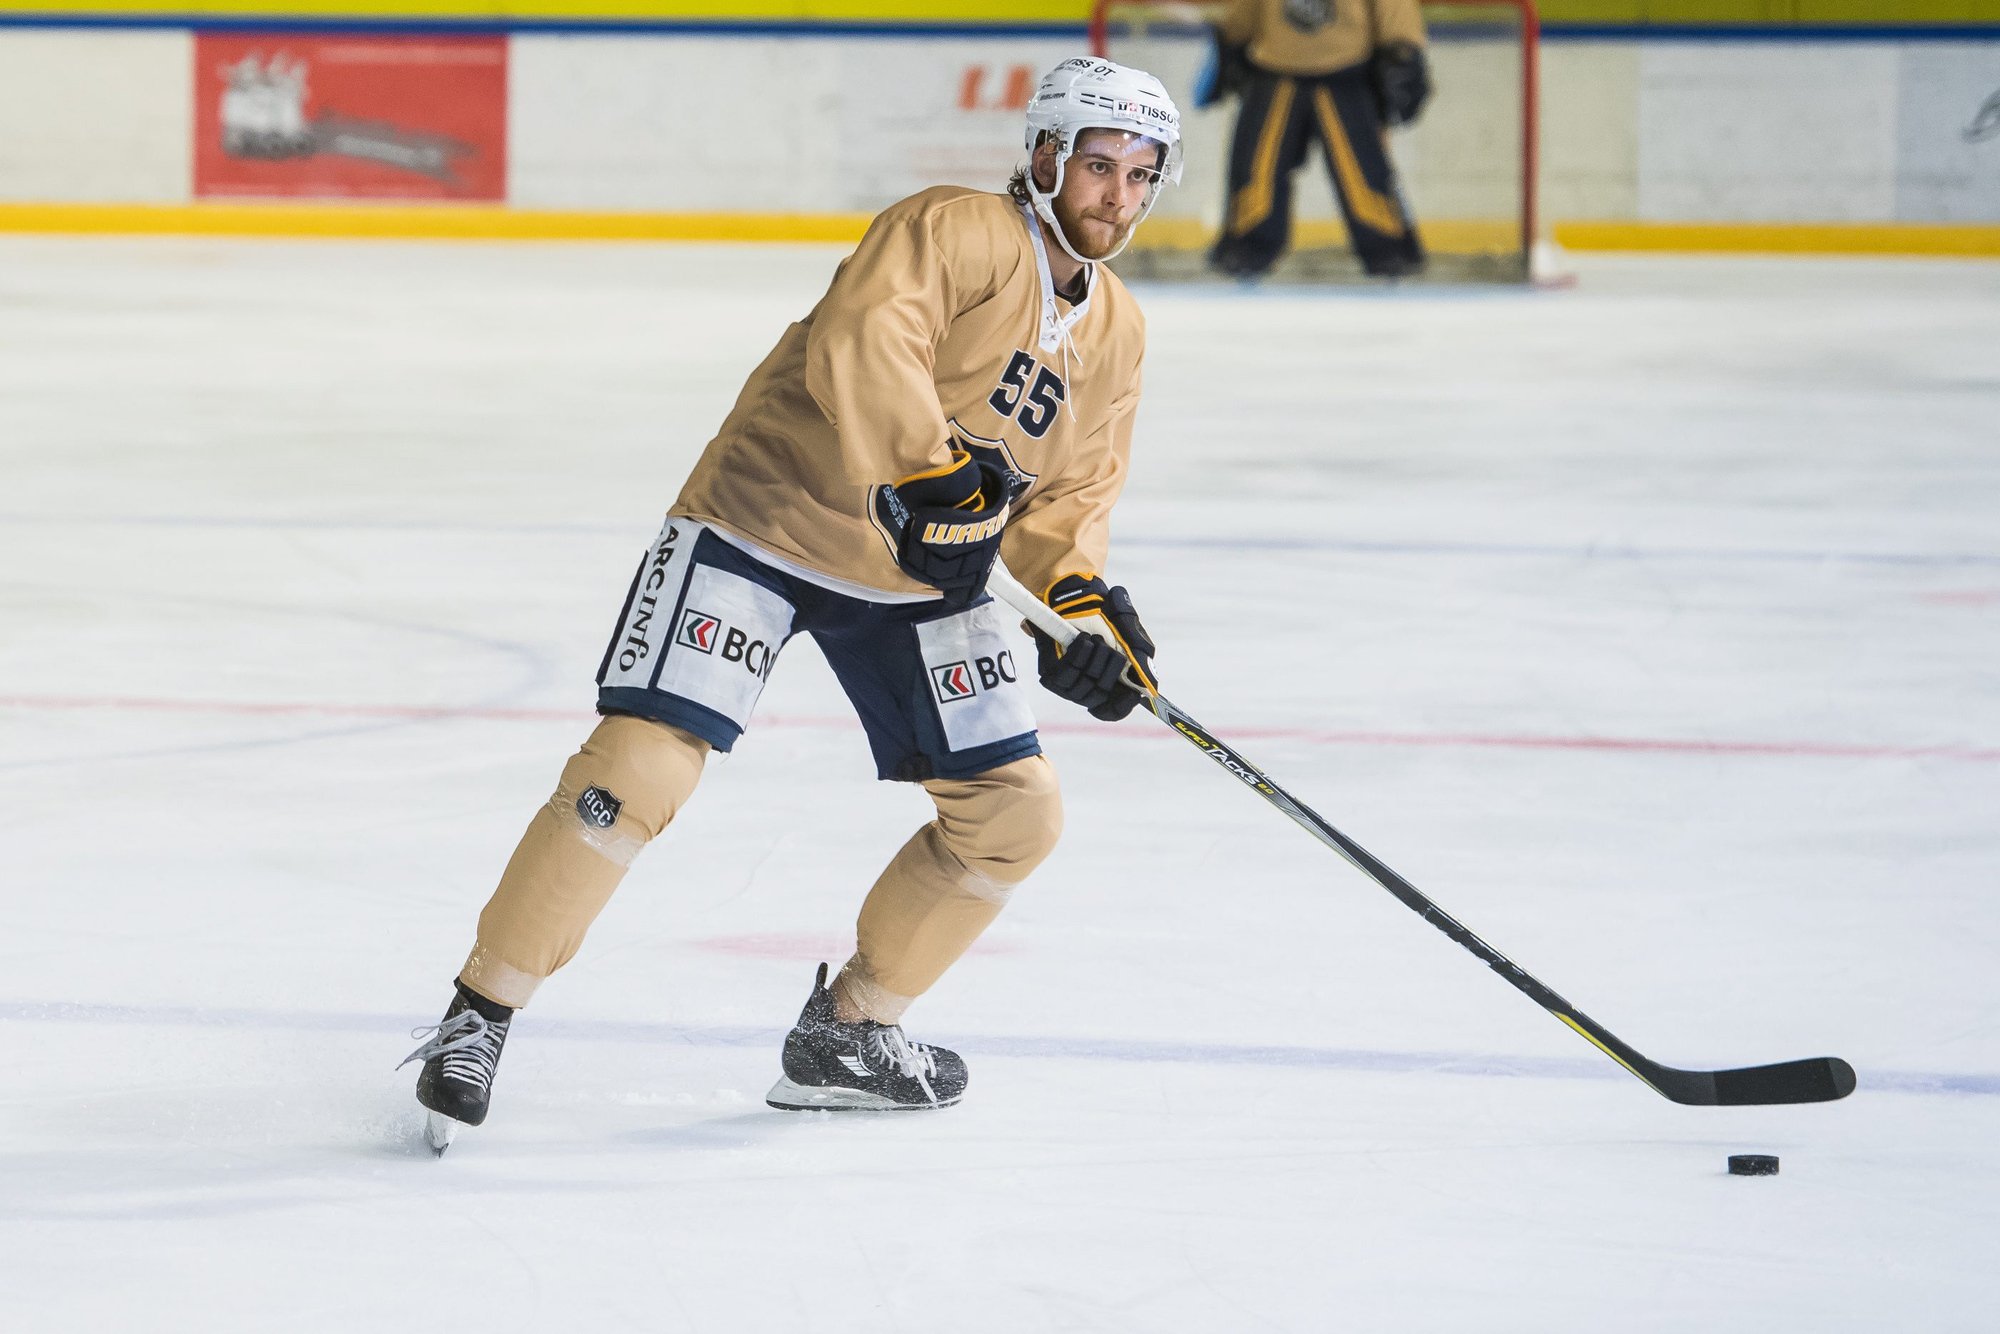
<point>1278,121</point>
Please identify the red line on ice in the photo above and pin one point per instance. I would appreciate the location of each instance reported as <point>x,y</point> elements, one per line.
<point>1311,736</point>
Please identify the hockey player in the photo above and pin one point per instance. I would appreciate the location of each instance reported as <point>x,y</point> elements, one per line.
<point>1332,71</point>
<point>964,390</point>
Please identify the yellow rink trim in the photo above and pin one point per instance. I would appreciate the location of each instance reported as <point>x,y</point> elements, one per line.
<point>1442,236</point>
<point>496,222</point>
<point>439,221</point>
<point>1784,238</point>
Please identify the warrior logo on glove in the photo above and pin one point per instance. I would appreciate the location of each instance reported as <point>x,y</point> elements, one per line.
<point>945,524</point>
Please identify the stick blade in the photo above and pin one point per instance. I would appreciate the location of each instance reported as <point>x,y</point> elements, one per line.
<point>1818,1079</point>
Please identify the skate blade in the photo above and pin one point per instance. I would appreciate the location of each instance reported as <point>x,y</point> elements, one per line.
<point>439,1131</point>
<point>787,1096</point>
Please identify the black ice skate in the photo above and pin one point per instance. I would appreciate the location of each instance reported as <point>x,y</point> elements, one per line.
<point>861,1067</point>
<point>460,1054</point>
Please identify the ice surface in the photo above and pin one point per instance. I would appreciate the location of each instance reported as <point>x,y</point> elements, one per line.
<point>1650,627</point>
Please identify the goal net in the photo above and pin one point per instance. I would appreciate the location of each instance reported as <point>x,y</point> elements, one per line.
<point>1467,167</point>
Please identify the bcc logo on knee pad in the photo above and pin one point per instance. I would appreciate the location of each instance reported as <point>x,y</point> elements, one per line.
<point>598,808</point>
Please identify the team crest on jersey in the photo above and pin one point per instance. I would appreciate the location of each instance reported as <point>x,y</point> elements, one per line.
<point>953,681</point>
<point>698,630</point>
<point>1308,15</point>
<point>996,453</point>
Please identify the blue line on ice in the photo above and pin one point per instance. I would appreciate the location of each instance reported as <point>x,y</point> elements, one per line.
<point>1537,551</point>
<point>1047,1048</point>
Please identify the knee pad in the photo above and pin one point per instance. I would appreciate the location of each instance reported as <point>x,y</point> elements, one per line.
<point>1001,823</point>
<point>622,788</point>
<point>949,882</point>
<point>615,795</point>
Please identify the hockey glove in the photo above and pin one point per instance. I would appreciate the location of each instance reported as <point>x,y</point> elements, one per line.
<point>1402,81</point>
<point>1092,670</point>
<point>947,524</point>
<point>1225,70</point>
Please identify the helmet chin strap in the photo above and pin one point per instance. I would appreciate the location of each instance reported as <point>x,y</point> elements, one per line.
<point>1045,209</point>
<point>1045,206</point>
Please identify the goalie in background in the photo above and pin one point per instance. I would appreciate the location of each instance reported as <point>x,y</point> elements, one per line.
<point>1336,71</point>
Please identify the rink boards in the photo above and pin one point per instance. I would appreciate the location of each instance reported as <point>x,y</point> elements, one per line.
<point>810,131</point>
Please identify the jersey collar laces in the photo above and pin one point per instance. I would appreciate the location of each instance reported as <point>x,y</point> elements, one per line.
<point>1085,93</point>
<point>1056,332</point>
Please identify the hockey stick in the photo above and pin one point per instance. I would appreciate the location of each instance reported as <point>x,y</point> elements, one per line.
<point>1818,1079</point>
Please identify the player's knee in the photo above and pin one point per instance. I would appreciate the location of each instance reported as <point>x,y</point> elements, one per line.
<point>627,782</point>
<point>1004,822</point>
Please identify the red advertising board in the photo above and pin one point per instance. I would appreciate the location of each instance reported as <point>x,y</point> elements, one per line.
<point>350,117</point>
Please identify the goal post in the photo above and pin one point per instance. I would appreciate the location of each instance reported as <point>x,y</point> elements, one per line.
<point>1468,167</point>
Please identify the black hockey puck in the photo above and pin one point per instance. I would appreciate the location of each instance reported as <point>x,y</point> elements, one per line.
<point>1753,1164</point>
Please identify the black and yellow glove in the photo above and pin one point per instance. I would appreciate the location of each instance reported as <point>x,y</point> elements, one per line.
<point>1092,671</point>
<point>947,524</point>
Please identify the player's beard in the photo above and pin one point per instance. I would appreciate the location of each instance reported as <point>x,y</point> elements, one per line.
<point>1080,236</point>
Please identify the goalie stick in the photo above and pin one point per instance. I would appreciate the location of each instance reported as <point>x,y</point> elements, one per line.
<point>1816,1079</point>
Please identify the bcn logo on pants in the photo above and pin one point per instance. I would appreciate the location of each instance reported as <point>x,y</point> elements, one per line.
<point>953,681</point>
<point>723,636</point>
<point>704,633</point>
<point>963,680</point>
<point>698,630</point>
<point>755,655</point>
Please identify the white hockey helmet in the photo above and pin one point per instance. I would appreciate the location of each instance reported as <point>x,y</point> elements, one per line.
<point>1087,93</point>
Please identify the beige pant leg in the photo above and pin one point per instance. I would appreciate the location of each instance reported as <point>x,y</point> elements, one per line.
<point>948,884</point>
<point>576,850</point>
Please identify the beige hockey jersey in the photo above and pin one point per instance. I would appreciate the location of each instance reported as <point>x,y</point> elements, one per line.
<point>940,331</point>
<point>1319,36</point>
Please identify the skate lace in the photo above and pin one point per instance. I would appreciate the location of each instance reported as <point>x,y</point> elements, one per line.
<point>913,1060</point>
<point>468,1041</point>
